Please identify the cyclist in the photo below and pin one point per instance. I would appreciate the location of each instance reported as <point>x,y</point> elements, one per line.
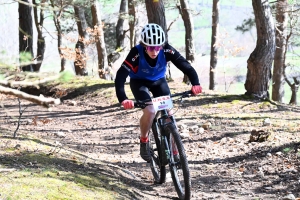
<point>146,65</point>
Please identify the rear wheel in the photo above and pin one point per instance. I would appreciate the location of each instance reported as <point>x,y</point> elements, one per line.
<point>179,166</point>
<point>158,170</point>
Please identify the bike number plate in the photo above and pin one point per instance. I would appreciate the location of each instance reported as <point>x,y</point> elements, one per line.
<point>162,103</point>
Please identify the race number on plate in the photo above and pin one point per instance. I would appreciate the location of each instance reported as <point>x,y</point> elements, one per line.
<point>163,102</point>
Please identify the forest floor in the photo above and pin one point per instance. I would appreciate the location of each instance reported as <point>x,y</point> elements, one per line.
<point>91,129</point>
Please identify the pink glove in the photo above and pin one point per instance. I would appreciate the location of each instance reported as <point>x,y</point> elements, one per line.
<point>196,89</point>
<point>127,104</point>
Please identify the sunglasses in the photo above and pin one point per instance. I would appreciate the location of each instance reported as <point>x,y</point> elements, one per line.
<point>153,48</point>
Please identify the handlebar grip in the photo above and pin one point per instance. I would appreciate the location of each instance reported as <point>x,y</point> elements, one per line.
<point>140,105</point>
<point>183,94</point>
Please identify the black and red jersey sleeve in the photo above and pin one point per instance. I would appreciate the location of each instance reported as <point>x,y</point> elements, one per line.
<point>181,63</point>
<point>132,60</point>
<point>130,63</point>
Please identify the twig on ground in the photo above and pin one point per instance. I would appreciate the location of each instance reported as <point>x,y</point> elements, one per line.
<point>124,170</point>
<point>20,116</point>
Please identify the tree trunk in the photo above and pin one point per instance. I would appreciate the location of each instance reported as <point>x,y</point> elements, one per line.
<point>120,33</point>
<point>81,58</point>
<point>189,35</point>
<point>280,52</point>
<point>260,61</point>
<point>156,14</point>
<point>214,47</point>
<point>41,44</point>
<point>104,71</point>
<point>132,22</point>
<point>294,88</point>
<point>56,19</point>
<point>59,44</point>
<point>25,31</point>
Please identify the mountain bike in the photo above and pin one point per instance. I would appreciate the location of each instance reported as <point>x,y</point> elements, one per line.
<point>166,147</point>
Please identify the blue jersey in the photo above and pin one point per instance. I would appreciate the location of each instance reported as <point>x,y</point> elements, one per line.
<point>138,65</point>
<point>145,71</point>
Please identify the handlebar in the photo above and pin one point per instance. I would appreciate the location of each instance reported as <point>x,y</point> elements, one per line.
<point>140,104</point>
<point>183,94</point>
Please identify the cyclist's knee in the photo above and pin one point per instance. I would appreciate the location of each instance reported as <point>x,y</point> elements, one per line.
<point>150,112</point>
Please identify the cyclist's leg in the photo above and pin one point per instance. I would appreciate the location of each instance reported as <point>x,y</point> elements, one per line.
<point>160,88</point>
<point>140,91</point>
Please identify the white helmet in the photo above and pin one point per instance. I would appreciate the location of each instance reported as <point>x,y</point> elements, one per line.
<point>153,35</point>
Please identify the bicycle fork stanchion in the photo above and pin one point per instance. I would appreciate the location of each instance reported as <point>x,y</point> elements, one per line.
<point>166,149</point>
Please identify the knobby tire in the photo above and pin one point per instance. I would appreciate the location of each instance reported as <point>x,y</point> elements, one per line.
<point>158,170</point>
<point>183,187</point>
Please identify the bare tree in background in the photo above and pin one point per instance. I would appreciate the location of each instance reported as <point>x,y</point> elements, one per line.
<point>280,52</point>
<point>132,22</point>
<point>260,61</point>
<point>81,57</point>
<point>38,11</point>
<point>214,45</point>
<point>103,69</point>
<point>120,32</point>
<point>189,34</point>
<point>57,13</point>
<point>292,35</point>
<point>25,34</point>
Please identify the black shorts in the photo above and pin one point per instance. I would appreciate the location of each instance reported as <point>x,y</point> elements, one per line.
<point>140,88</point>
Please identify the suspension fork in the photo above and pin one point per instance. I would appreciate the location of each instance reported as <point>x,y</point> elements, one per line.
<point>174,147</point>
<point>168,139</point>
<point>165,140</point>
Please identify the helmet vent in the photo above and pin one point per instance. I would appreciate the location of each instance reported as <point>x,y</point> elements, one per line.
<point>153,35</point>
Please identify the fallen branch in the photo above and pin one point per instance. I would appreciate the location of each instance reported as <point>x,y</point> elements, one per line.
<point>41,100</point>
<point>124,170</point>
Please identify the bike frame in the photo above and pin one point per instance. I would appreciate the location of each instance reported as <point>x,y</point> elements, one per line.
<point>167,141</point>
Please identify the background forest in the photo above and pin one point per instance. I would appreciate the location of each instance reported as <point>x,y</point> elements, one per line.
<point>234,48</point>
<point>87,147</point>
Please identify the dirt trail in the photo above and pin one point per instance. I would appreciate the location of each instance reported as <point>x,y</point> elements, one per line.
<point>223,163</point>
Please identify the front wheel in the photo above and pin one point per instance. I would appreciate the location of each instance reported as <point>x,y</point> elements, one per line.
<point>178,164</point>
<point>158,170</point>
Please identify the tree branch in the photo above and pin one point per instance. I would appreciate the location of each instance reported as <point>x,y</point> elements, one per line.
<point>41,100</point>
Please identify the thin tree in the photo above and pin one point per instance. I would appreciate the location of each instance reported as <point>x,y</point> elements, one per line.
<point>57,14</point>
<point>132,22</point>
<point>25,34</point>
<point>81,57</point>
<point>293,24</point>
<point>281,35</point>
<point>103,69</point>
<point>260,61</point>
<point>39,24</point>
<point>214,46</point>
<point>189,33</point>
<point>120,32</point>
